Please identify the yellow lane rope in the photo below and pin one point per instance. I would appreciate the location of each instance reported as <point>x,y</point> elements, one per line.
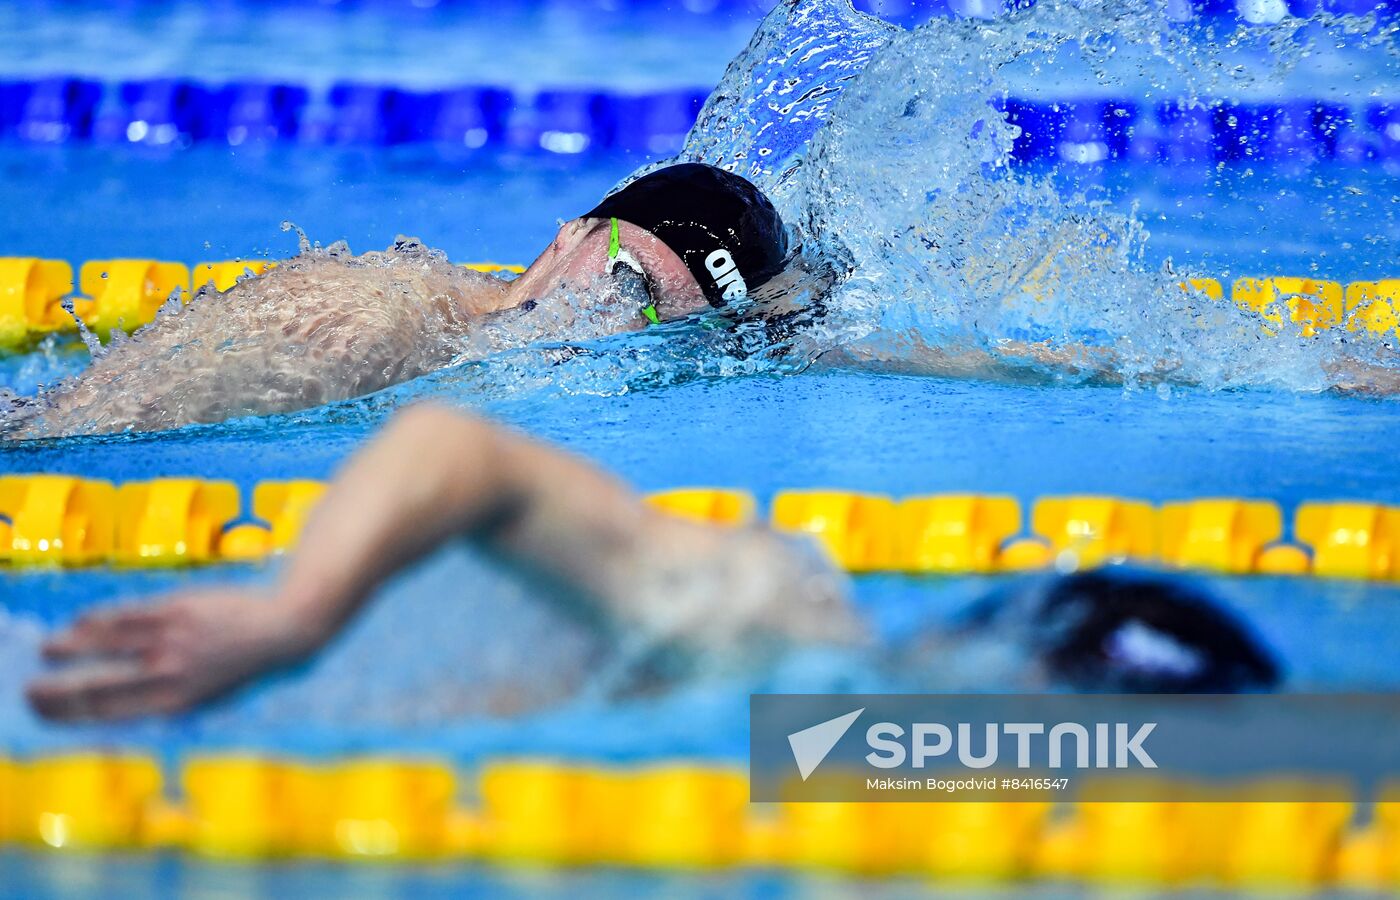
<point>71,521</point>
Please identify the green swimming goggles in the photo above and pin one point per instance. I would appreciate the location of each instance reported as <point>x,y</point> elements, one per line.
<point>614,251</point>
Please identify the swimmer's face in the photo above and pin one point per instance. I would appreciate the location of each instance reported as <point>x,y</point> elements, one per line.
<point>644,270</point>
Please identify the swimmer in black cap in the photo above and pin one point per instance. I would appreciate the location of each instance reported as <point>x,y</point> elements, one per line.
<point>688,236</point>
<point>328,325</point>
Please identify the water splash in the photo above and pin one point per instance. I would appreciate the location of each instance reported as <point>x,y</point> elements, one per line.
<point>959,262</point>
<point>779,93</point>
<point>303,242</point>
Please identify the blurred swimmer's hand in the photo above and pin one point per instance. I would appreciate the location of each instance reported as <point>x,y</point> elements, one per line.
<point>129,661</point>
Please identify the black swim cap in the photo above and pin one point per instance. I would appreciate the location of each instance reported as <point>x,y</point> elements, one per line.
<point>720,225</point>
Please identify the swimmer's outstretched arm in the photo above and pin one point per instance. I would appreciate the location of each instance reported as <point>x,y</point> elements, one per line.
<point>1101,366</point>
<point>1041,361</point>
<point>1005,361</point>
<point>433,475</point>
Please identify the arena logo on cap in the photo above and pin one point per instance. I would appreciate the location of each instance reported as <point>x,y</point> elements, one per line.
<point>726,274</point>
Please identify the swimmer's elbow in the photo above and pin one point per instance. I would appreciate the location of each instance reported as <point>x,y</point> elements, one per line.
<point>429,418</point>
<point>459,464</point>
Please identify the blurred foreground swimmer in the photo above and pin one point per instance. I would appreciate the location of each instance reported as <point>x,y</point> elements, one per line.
<point>327,325</point>
<point>589,545</point>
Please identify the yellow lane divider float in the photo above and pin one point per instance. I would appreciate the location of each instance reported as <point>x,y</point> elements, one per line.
<point>224,275</point>
<point>492,268</point>
<point>718,507</point>
<point>62,520</point>
<point>172,519</point>
<point>1313,305</point>
<point>31,294</point>
<point>957,534</point>
<point>283,506</point>
<point>58,519</point>
<point>857,530</point>
<point>127,293</point>
<point>675,815</point>
<point>67,521</point>
<point>114,293</point>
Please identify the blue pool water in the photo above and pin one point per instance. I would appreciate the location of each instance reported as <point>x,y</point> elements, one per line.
<point>399,677</point>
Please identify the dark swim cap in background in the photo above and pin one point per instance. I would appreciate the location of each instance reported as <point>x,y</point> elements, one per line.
<point>720,225</point>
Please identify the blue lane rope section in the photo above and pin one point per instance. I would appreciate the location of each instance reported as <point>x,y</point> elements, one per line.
<point>178,112</point>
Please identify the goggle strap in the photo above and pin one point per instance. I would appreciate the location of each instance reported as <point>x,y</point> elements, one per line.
<point>614,247</point>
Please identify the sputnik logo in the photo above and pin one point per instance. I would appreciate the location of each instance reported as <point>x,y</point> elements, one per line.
<point>811,745</point>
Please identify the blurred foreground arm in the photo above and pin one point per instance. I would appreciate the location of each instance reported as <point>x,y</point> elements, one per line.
<point>432,475</point>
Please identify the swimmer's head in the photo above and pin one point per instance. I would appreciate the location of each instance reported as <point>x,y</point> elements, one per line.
<point>1116,630</point>
<point>673,243</point>
<point>725,232</point>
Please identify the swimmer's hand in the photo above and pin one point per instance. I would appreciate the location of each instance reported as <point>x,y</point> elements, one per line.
<point>129,661</point>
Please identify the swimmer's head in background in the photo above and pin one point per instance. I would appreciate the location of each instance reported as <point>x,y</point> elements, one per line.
<point>1115,630</point>
<point>722,227</point>
<point>1125,631</point>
